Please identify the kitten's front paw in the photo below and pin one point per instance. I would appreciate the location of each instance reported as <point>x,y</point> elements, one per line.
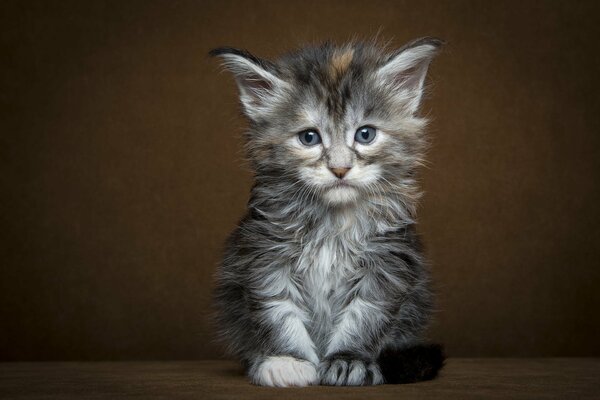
<point>345,371</point>
<point>284,371</point>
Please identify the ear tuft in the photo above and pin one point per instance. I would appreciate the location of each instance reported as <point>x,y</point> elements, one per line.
<point>223,51</point>
<point>256,78</point>
<point>404,71</point>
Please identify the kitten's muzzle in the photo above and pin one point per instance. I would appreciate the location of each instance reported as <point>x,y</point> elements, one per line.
<point>340,172</point>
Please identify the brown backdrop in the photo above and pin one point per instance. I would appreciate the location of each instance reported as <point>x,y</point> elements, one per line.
<point>121,176</point>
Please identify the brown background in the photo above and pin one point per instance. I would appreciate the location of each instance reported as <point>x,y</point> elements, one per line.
<point>121,177</point>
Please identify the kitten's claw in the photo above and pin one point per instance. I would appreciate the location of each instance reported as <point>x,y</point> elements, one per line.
<point>349,372</point>
<point>284,371</point>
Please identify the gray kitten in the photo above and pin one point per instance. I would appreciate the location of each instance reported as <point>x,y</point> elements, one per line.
<point>323,281</point>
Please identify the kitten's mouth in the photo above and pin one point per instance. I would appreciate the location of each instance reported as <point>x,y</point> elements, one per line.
<point>340,183</point>
<point>341,192</point>
<point>341,186</point>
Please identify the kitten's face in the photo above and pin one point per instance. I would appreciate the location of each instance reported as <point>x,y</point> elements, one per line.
<point>338,159</point>
<point>338,123</point>
<point>340,156</point>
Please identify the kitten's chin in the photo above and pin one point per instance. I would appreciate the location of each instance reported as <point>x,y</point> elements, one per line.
<point>341,195</point>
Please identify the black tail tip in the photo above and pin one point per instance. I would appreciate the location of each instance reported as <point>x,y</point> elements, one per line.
<point>414,364</point>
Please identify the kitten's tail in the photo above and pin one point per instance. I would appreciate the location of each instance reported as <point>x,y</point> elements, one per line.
<point>414,364</point>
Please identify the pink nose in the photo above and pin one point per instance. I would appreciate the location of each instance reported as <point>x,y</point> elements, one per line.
<point>340,172</point>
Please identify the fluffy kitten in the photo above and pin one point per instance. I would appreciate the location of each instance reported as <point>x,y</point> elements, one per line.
<point>324,281</point>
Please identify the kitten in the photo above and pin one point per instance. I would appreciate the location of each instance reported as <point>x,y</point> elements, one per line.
<point>323,281</point>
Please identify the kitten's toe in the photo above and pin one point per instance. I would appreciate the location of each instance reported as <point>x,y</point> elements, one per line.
<point>284,371</point>
<point>350,372</point>
<point>334,372</point>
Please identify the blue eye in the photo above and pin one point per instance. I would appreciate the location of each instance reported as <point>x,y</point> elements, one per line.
<point>309,137</point>
<point>365,135</point>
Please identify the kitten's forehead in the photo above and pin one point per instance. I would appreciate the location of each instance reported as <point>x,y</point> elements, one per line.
<point>332,79</point>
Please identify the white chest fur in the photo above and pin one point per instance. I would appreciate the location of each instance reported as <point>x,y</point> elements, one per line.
<point>326,268</point>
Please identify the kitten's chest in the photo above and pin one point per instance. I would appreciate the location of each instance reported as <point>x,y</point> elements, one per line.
<point>330,260</point>
<point>328,265</point>
<point>325,268</point>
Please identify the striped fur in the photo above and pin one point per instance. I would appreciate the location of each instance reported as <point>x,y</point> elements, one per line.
<point>325,274</point>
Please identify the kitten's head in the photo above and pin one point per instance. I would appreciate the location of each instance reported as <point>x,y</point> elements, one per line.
<point>339,122</point>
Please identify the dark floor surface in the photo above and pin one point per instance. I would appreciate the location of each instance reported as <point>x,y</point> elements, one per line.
<point>462,378</point>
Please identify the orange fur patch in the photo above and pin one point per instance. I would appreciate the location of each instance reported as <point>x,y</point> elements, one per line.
<point>340,61</point>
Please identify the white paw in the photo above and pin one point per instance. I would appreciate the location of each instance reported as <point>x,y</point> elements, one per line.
<point>285,371</point>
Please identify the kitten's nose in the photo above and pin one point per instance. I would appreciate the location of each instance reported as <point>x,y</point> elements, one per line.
<point>340,172</point>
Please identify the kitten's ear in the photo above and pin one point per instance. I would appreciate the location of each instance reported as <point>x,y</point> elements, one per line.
<point>256,79</point>
<point>404,72</point>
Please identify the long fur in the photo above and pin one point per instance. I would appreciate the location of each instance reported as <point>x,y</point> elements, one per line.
<point>324,281</point>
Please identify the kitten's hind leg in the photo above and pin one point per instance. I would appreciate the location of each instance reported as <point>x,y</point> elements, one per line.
<point>283,371</point>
